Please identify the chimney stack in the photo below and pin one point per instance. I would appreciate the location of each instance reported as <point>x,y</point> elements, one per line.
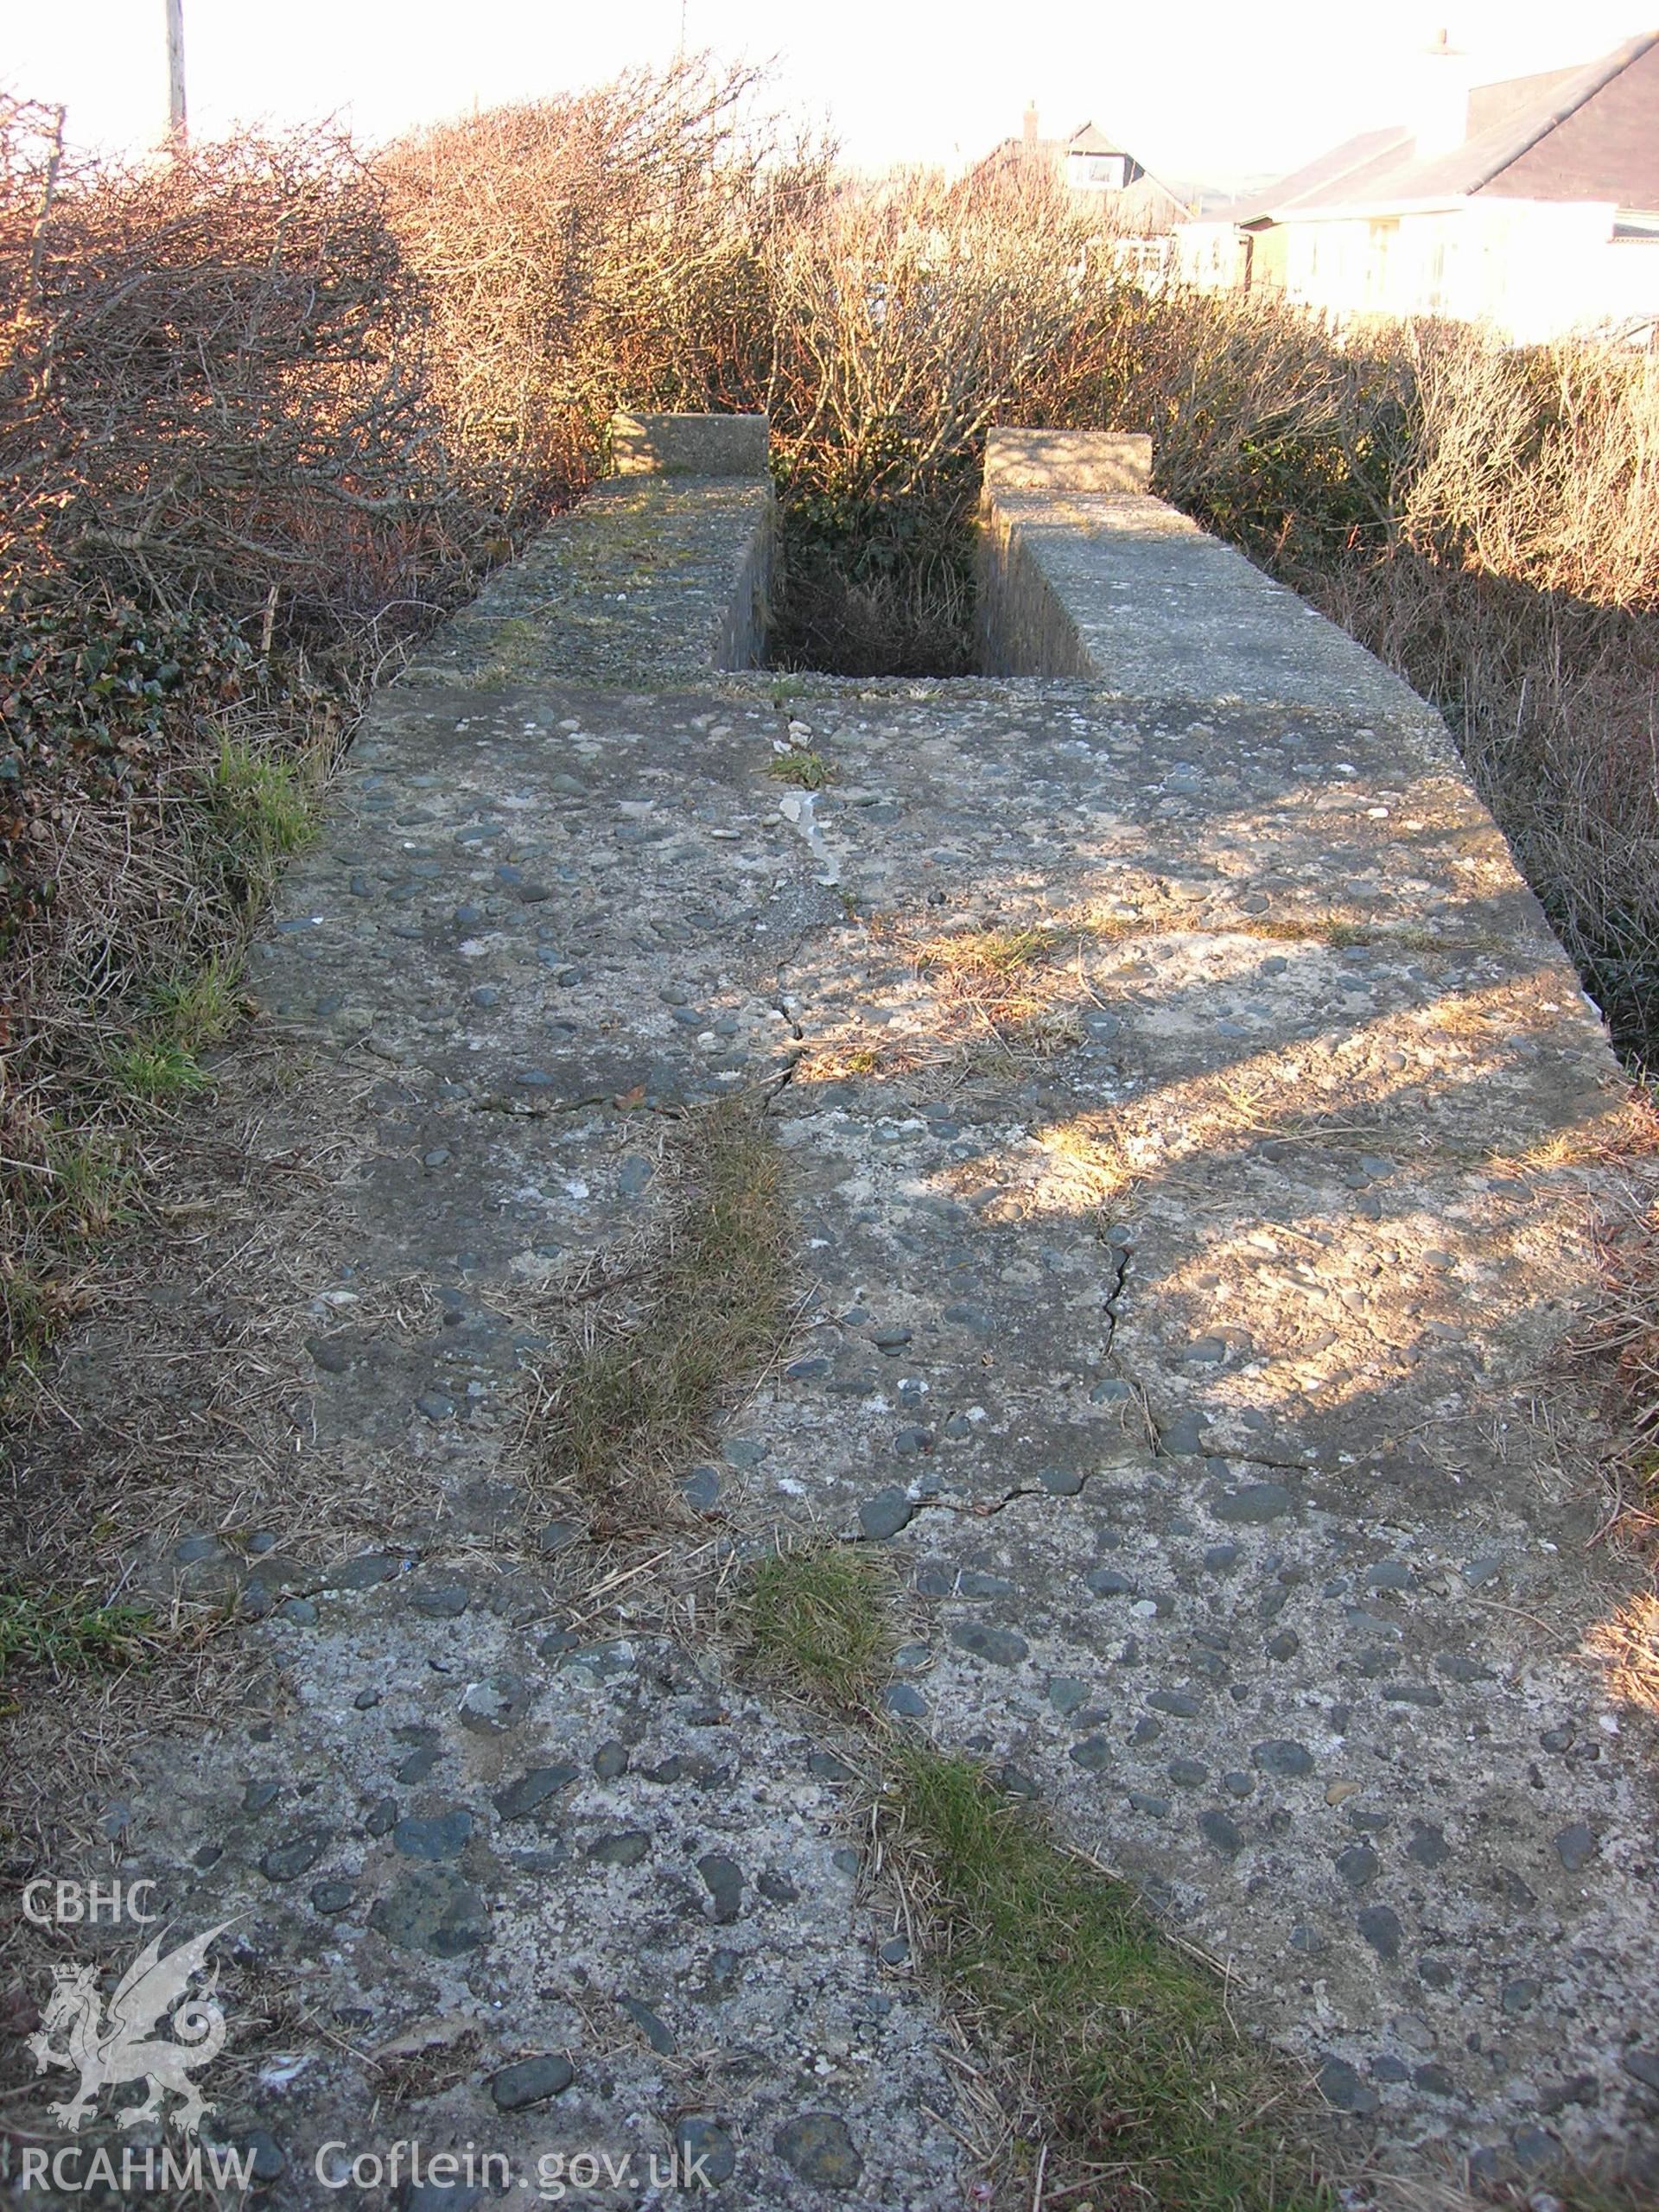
<point>1031,127</point>
<point>1442,119</point>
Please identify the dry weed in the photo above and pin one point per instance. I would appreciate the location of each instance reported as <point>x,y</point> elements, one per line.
<point>1620,1342</point>
<point>1627,1648</point>
<point>657,1340</point>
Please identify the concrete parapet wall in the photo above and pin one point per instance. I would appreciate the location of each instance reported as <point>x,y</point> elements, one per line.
<point>1079,579</point>
<point>741,642</point>
<point>1025,626</point>
<point>689,445</point>
<point>657,576</point>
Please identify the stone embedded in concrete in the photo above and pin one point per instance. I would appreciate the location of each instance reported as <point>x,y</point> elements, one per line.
<point>705,2150</point>
<point>689,445</point>
<point>432,1910</point>
<point>818,2147</point>
<point>530,2081</point>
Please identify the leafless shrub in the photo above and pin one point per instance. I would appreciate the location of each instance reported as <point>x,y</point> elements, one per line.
<point>1263,426</point>
<point>598,251</point>
<point>1555,705</point>
<point>1619,1337</point>
<point>1538,466</point>
<point>910,315</point>
<point>214,386</point>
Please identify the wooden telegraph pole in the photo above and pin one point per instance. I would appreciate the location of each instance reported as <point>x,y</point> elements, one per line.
<point>175,109</point>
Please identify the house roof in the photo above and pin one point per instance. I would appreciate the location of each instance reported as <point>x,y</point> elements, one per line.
<point>1091,139</point>
<point>1503,103</point>
<point>1145,204</point>
<point>1606,147</point>
<point>1342,162</point>
<point>1088,138</point>
<point>1576,134</point>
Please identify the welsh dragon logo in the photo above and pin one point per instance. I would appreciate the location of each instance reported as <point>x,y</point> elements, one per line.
<point>109,2048</point>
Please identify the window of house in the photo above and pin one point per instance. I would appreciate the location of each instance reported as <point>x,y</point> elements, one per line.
<point>1101,172</point>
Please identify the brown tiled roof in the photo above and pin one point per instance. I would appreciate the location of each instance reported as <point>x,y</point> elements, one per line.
<point>1500,105</point>
<point>1608,149</point>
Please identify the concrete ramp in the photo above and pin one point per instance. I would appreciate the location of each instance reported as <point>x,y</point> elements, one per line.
<point>1191,1133</point>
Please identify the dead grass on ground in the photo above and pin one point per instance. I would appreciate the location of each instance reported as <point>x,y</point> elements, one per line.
<point>1615,1351</point>
<point>886,1062</point>
<point>1009,995</point>
<point>1624,1335</point>
<point>66,1758</point>
<point>1626,1646</point>
<point>657,1340</point>
<point>174,1410</point>
<point>1576,2190</point>
<point>1003,995</point>
<point>172,1413</point>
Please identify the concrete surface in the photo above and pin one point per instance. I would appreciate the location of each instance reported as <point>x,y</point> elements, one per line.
<point>1182,1334</point>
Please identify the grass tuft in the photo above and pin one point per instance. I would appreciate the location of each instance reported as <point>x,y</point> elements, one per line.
<point>1123,2033</point>
<point>195,1008</point>
<point>33,1307</point>
<point>69,1183</point>
<point>708,1311</point>
<point>818,1623</point>
<point>1310,929</point>
<point>1116,2039</point>
<point>1037,1036</point>
<point>261,813</point>
<point>178,1016</point>
<point>64,1635</point>
<point>59,1189</point>
<point>980,955</point>
<point>809,771</point>
<point>998,980</point>
<point>154,1070</point>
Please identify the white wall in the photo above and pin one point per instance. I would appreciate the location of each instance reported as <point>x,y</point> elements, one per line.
<point>1209,255</point>
<point>1533,269</point>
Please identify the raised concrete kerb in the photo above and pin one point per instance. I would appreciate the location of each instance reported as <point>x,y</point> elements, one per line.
<point>689,445</point>
<point>1067,461</point>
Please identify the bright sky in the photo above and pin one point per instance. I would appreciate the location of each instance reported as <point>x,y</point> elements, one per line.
<point>1212,90</point>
